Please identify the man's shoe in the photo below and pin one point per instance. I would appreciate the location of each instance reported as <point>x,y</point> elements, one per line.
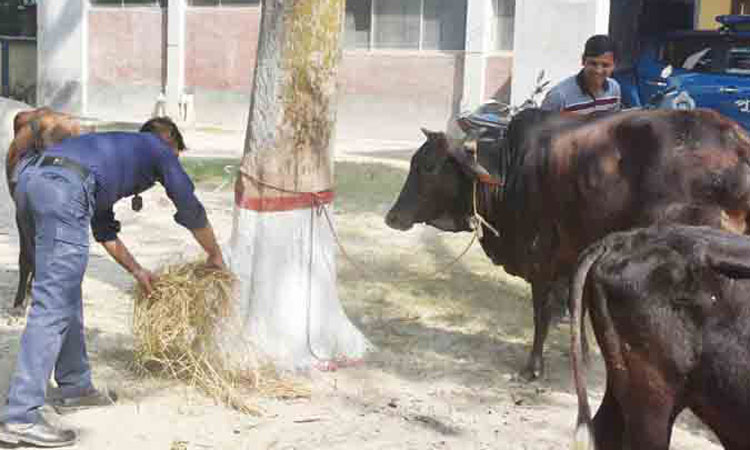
<point>92,399</point>
<point>41,434</point>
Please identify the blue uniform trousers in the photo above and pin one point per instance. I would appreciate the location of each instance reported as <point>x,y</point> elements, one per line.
<point>55,205</point>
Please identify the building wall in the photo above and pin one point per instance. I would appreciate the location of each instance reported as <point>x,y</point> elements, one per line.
<point>61,34</point>
<point>397,91</point>
<point>709,9</point>
<point>126,62</point>
<point>549,36</point>
<point>220,48</point>
<point>499,72</point>
<point>401,90</point>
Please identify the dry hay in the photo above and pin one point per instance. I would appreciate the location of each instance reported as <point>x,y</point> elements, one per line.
<point>185,329</point>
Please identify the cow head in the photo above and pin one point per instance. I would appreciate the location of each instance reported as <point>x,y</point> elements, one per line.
<point>438,188</point>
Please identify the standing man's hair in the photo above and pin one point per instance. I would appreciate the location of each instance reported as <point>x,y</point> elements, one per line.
<point>598,45</point>
<point>165,125</point>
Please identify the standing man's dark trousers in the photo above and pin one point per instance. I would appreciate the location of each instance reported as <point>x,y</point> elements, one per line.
<point>56,203</point>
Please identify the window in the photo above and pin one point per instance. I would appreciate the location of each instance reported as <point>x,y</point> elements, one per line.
<point>129,2</point>
<point>740,6</point>
<point>164,3</point>
<point>444,25</point>
<point>405,24</point>
<point>18,18</point>
<point>396,23</point>
<point>222,2</point>
<point>504,15</point>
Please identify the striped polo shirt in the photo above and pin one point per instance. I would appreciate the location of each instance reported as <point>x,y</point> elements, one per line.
<point>570,95</point>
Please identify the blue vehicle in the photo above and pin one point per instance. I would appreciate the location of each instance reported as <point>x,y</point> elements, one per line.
<point>712,67</point>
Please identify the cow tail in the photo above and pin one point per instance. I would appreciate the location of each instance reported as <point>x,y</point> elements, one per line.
<point>583,438</point>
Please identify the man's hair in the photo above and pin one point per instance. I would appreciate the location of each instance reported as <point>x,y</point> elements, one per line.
<point>159,125</point>
<point>598,45</point>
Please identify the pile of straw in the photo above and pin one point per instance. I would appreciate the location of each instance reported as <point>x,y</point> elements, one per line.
<point>186,329</point>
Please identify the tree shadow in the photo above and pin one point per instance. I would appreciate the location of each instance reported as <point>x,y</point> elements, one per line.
<point>481,334</point>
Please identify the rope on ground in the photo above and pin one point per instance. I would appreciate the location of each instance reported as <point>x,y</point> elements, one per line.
<point>318,205</point>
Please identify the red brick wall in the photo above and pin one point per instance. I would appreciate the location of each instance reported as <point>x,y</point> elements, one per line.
<point>125,46</point>
<point>498,74</point>
<point>400,75</point>
<point>220,47</point>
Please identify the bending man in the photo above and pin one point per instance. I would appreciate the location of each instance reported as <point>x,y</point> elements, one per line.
<point>58,193</point>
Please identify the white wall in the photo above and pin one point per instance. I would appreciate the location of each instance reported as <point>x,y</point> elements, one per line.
<point>549,35</point>
<point>62,69</point>
<point>478,40</point>
<point>8,110</point>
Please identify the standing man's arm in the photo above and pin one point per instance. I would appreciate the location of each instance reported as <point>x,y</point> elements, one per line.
<point>190,212</point>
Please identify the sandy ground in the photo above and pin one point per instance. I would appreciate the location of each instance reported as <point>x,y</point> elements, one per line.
<point>442,377</point>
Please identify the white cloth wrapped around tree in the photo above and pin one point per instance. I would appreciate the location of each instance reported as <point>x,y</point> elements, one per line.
<point>289,305</point>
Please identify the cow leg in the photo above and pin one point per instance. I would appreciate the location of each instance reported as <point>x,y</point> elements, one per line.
<point>25,260</point>
<point>649,426</point>
<point>609,423</point>
<point>540,293</point>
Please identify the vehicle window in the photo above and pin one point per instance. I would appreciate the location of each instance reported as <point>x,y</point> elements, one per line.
<point>738,59</point>
<point>690,54</point>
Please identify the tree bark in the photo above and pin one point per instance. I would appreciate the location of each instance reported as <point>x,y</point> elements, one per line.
<point>282,247</point>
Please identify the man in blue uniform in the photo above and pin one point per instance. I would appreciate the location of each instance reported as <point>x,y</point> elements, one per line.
<point>57,195</point>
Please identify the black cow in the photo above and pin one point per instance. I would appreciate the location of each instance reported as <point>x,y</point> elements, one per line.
<point>557,184</point>
<point>671,311</point>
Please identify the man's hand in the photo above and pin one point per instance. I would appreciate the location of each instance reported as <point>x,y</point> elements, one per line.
<point>207,240</point>
<point>216,261</point>
<point>145,278</point>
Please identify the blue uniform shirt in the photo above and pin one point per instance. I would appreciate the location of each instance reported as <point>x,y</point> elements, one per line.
<point>125,164</point>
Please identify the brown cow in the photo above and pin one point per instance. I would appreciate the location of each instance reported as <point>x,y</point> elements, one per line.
<point>670,308</point>
<point>568,181</point>
<point>34,130</point>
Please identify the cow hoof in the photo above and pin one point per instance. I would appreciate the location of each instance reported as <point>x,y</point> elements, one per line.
<point>531,373</point>
<point>17,311</point>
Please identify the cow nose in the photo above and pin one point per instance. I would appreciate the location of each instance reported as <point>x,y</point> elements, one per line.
<point>394,220</point>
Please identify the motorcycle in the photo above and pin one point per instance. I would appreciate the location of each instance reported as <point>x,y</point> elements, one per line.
<point>674,96</point>
<point>489,122</point>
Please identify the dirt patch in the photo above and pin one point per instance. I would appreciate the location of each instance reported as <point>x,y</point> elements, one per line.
<point>443,375</point>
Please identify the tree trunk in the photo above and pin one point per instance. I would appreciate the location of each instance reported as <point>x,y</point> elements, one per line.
<point>282,247</point>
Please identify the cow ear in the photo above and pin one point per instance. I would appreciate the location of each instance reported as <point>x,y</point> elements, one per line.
<point>430,135</point>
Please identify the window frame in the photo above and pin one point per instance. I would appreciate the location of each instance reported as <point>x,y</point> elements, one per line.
<point>740,6</point>
<point>496,25</point>
<point>163,4</point>
<point>420,48</point>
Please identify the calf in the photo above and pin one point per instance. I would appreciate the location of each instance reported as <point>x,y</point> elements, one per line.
<point>670,308</point>
<point>33,130</point>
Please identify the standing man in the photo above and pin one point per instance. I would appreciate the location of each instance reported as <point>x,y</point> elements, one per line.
<point>591,89</point>
<point>57,195</point>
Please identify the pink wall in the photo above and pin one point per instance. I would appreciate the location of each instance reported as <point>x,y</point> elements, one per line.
<point>220,47</point>
<point>399,75</point>
<point>127,65</point>
<point>498,74</point>
<point>125,46</point>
